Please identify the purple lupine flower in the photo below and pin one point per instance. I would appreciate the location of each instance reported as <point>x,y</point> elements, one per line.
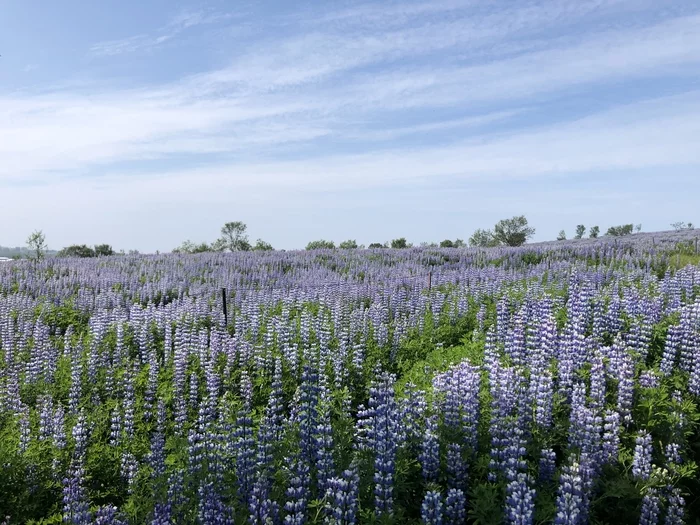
<point>80,437</point>
<point>342,496</point>
<point>675,509</point>
<point>570,498</point>
<point>176,494</point>
<point>385,428</point>
<point>641,463</point>
<point>455,507</point>
<point>673,454</point>
<point>520,504</point>
<point>212,510</point>
<point>432,509</point>
<point>244,443</point>
<point>413,406</point>
<point>308,413</point>
<point>323,439</point>
<point>611,437</point>
<point>162,514</point>
<point>129,401</point>
<point>262,509</point>
<point>115,428</point>
<point>456,467</point>
<point>651,508</point>
<point>430,450</point>
<point>157,454</point>
<point>543,397</point>
<point>670,355</point>
<point>648,379</point>
<point>129,468</point>
<point>108,515</point>
<point>275,406</point>
<point>625,388</point>
<point>24,430</point>
<point>76,509</point>
<point>45,418</point>
<point>59,428</point>
<point>548,464</point>
<point>297,494</point>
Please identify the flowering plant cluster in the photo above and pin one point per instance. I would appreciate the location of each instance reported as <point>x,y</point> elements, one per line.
<point>542,384</point>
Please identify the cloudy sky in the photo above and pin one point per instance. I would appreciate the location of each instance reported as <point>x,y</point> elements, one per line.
<point>142,124</point>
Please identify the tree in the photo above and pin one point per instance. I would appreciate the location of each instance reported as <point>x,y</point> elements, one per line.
<point>219,245</point>
<point>190,247</point>
<point>678,226</point>
<point>350,244</point>
<point>561,236</point>
<point>233,235</point>
<point>513,232</point>
<point>375,245</point>
<point>594,232</point>
<point>36,242</point>
<point>320,245</point>
<point>619,231</point>
<point>638,228</point>
<point>580,231</point>
<point>76,250</point>
<point>459,243</point>
<point>103,250</point>
<point>447,243</point>
<point>483,238</point>
<point>262,246</point>
<point>399,243</point>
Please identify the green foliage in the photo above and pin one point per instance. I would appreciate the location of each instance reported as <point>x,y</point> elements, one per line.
<point>580,231</point>
<point>375,245</point>
<point>399,243</point>
<point>561,236</point>
<point>36,242</point>
<point>262,246</point>
<point>513,232</point>
<point>190,247</point>
<point>103,250</point>
<point>619,231</point>
<point>233,236</point>
<point>594,232</point>
<point>350,244</point>
<point>483,239</point>
<point>320,245</point>
<point>679,226</point>
<point>76,250</point>
<point>531,258</point>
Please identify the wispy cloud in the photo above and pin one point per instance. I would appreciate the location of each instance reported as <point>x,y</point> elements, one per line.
<point>178,24</point>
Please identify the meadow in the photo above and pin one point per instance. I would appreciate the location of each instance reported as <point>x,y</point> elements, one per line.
<point>554,383</point>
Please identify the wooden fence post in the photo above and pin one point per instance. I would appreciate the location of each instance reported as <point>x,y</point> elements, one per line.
<point>223,301</point>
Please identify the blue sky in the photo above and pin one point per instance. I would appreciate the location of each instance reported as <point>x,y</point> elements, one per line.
<point>142,124</point>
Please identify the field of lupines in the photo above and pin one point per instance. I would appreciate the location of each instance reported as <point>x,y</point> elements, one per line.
<point>549,383</point>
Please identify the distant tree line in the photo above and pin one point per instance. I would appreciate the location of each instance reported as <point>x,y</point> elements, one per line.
<point>234,238</point>
<point>594,232</point>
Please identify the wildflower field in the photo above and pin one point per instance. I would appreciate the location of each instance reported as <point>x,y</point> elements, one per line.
<point>553,383</point>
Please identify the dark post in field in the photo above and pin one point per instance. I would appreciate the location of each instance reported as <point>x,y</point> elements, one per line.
<point>223,301</point>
